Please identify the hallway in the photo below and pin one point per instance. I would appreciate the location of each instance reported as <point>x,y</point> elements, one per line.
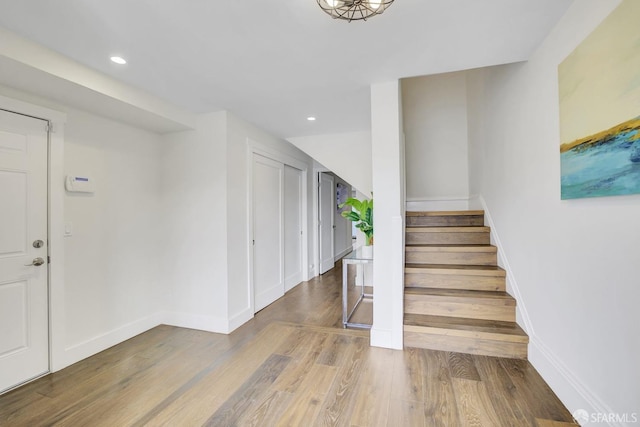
<point>293,364</point>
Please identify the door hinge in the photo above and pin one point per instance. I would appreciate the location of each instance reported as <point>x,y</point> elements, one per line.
<point>254,242</point>
<point>48,259</point>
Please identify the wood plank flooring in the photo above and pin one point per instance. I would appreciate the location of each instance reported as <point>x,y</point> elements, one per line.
<point>292,365</point>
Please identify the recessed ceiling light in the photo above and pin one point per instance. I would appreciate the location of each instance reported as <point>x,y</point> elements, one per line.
<point>118,60</point>
<point>311,119</point>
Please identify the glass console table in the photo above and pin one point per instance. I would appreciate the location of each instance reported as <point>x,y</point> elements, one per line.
<point>357,290</point>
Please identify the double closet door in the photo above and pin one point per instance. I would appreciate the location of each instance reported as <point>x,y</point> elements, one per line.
<point>277,229</point>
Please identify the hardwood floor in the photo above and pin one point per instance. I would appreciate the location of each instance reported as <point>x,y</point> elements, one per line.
<point>292,365</point>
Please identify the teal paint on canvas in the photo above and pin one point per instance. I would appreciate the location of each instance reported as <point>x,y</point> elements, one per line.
<point>606,165</point>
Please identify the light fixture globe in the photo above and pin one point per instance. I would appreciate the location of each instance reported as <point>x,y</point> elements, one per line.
<point>354,10</point>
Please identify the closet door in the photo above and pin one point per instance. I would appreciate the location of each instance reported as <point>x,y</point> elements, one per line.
<point>292,227</point>
<point>268,251</point>
<point>326,217</point>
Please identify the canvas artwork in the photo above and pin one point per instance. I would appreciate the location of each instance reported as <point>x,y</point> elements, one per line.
<point>341,197</point>
<point>599,85</point>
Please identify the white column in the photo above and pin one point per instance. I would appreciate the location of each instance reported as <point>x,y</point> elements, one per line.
<point>388,194</point>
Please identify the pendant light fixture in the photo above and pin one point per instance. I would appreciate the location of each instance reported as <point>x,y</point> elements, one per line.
<point>354,10</point>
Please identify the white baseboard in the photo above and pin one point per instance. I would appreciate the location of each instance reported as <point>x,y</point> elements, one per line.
<point>239,319</point>
<point>571,391</point>
<point>384,338</point>
<point>380,338</point>
<point>453,203</point>
<point>292,281</point>
<point>79,351</point>
<point>92,346</point>
<point>196,321</point>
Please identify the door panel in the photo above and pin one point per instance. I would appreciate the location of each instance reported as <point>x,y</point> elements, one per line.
<point>292,227</point>
<point>13,224</point>
<point>24,341</point>
<point>268,283</point>
<point>327,201</point>
<point>13,305</point>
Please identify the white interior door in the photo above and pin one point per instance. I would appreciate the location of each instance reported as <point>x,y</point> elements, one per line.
<point>268,283</point>
<point>325,211</point>
<point>292,227</point>
<point>24,340</point>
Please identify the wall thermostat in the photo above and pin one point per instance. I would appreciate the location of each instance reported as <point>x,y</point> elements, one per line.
<point>79,184</point>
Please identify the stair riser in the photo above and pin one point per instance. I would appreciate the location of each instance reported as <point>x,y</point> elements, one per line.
<point>454,281</point>
<point>454,238</point>
<point>465,345</point>
<point>462,258</point>
<point>446,221</point>
<point>435,306</point>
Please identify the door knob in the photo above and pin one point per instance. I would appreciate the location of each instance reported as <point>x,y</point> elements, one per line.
<point>36,261</point>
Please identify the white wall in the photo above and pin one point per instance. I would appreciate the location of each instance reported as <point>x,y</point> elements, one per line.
<point>105,283</point>
<point>435,126</point>
<point>194,238</point>
<point>575,263</point>
<point>112,261</point>
<point>342,242</point>
<point>346,154</point>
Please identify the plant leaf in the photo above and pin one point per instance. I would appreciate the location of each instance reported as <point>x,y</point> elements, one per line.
<point>351,216</point>
<point>354,203</point>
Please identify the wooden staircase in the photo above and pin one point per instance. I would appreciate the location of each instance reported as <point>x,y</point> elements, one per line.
<point>455,294</point>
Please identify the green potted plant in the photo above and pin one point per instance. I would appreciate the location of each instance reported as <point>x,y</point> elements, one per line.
<point>361,214</point>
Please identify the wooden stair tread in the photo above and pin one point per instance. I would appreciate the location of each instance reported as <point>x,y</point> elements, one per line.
<point>444,219</point>
<point>453,268</point>
<point>452,248</point>
<point>456,229</point>
<point>459,293</point>
<point>449,246</point>
<point>552,423</point>
<point>472,328</point>
<point>444,213</point>
<point>451,254</point>
<point>455,276</point>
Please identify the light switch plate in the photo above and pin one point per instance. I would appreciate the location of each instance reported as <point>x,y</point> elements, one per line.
<point>68,229</point>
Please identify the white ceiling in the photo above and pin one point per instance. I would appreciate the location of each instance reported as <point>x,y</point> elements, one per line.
<point>276,62</point>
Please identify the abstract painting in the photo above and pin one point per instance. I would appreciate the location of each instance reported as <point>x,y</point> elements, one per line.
<point>341,197</point>
<point>599,85</point>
